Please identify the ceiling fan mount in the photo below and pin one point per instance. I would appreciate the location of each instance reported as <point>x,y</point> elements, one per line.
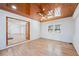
<point>41,11</point>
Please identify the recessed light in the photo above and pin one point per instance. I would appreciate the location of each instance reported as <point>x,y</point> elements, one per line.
<point>13,6</point>
<point>43,9</point>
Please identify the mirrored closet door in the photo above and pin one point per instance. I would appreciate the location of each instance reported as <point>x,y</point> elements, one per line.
<point>17,31</point>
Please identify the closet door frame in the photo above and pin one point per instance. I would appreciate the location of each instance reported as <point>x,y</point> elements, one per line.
<point>27,31</point>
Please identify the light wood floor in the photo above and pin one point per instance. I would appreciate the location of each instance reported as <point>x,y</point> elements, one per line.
<point>40,47</point>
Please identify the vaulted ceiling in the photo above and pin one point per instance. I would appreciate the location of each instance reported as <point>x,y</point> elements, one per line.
<point>33,10</point>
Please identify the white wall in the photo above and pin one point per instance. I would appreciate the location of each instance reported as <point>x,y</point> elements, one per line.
<point>76,27</point>
<point>34,29</point>
<point>2,32</point>
<point>66,30</point>
<point>3,15</point>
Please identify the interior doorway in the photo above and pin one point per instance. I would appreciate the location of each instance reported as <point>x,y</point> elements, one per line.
<point>17,31</point>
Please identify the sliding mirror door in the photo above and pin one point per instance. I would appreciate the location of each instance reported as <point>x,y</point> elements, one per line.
<point>17,30</point>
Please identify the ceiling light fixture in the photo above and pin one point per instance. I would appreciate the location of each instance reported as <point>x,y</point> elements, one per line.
<point>51,13</point>
<point>14,7</point>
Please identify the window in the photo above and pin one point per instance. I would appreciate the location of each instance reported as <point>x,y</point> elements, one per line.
<point>57,11</point>
<point>57,27</point>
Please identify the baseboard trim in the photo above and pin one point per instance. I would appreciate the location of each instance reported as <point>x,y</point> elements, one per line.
<point>57,40</point>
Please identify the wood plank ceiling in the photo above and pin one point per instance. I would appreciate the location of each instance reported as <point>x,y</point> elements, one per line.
<point>32,10</point>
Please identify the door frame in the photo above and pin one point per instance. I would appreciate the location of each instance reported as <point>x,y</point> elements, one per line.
<point>27,26</point>
<point>28,31</point>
